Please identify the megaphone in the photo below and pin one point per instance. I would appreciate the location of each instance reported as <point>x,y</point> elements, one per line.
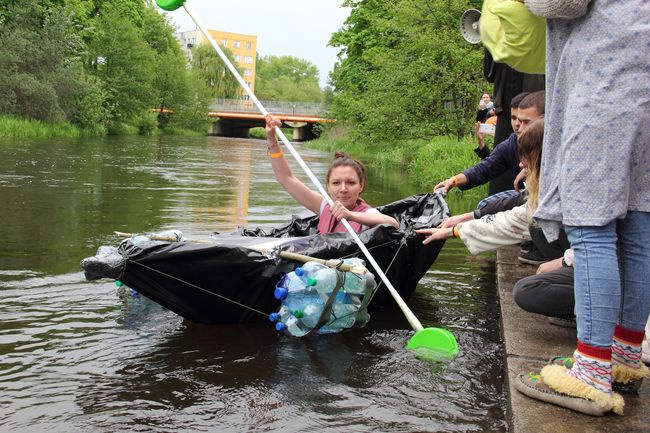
<point>469,26</point>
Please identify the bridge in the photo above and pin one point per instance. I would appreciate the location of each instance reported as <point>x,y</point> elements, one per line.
<point>235,117</point>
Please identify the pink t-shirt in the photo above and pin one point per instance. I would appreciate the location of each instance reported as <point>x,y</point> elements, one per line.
<point>328,224</point>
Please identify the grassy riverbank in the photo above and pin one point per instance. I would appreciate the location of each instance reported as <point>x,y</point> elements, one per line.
<point>426,162</point>
<point>16,127</point>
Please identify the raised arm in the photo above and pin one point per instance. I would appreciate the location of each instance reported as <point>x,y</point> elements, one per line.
<point>294,186</point>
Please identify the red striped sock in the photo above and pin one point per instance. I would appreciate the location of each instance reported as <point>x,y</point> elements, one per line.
<point>593,366</point>
<point>626,348</point>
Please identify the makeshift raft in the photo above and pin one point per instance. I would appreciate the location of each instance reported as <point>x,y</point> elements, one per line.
<point>231,279</point>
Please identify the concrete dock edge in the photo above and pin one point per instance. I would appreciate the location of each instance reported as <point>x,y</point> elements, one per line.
<point>529,342</point>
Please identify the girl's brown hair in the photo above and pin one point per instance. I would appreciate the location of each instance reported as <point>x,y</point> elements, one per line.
<point>529,145</point>
<point>342,159</point>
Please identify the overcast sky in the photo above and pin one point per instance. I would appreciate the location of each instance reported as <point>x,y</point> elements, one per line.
<point>299,28</point>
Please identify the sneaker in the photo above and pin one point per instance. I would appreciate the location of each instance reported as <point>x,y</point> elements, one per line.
<point>527,246</point>
<point>560,321</point>
<point>533,257</point>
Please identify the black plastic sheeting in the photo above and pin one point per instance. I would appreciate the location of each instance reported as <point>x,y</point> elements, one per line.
<point>209,283</point>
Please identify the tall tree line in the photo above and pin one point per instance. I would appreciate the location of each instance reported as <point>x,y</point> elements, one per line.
<point>100,64</point>
<point>404,70</point>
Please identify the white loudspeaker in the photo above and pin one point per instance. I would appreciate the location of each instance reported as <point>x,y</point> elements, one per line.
<point>469,26</point>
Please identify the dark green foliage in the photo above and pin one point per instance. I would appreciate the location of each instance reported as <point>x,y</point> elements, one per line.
<point>404,69</point>
<point>98,64</point>
<point>41,74</point>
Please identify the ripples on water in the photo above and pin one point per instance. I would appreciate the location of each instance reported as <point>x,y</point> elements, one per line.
<point>88,356</point>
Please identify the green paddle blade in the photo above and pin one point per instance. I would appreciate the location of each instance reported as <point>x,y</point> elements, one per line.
<point>433,344</point>
<point>169,5</point>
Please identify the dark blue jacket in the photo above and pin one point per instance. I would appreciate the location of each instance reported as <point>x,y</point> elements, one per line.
<point>504,157</point>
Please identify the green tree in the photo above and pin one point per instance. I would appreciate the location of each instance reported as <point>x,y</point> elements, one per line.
<point>208,66</point>
<point>41,73</point>
<point>404,69</point>
<point>287,78</point>
<point>124,62</point>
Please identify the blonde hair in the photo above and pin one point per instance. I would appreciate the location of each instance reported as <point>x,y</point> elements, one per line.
<point>529,145</point>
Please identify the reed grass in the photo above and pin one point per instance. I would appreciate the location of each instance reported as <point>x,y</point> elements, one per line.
<point>17,127</point>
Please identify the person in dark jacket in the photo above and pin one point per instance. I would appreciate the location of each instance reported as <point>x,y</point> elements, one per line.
<point>504,156</point>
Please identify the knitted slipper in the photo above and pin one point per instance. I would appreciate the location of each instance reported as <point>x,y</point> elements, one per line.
<point>624,379</point>
<point>559,388</point>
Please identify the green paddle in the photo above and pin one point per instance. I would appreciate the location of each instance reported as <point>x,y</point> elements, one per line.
<point>429,343</point>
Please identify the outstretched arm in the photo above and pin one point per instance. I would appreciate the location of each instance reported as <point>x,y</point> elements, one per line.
<point>455,181</point>
<point>294,186</point>
<point>370,218</point>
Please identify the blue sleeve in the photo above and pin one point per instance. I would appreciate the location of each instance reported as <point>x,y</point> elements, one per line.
<point>498,162</point>
<point>482,153</point>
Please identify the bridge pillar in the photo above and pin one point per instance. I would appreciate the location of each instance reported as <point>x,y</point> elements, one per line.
<point>302,131</point>
<point>228,129</point>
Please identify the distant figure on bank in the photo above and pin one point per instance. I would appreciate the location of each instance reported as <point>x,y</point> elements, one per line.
<point>346,179</point>
<point>485,108</point>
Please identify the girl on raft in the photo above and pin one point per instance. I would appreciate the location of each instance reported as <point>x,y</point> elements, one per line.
<point>346,179</point>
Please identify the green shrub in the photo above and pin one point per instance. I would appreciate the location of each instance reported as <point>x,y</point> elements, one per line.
<point>442,158</point>
<point>147,123</point>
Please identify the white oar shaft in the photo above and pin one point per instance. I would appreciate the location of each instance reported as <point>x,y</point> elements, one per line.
<point>413,321</point>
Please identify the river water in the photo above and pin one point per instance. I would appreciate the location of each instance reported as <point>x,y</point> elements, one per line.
<point>79,356</point>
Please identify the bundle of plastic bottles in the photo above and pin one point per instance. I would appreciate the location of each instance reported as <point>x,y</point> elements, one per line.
<point>318,299</point>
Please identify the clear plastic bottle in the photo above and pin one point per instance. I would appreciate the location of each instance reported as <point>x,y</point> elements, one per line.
<point>295,327</point>
<point>294,283</point>
<point>356,283</point>
<point>290,283</point>
<point>307,271</point>
<point>326,280</point>
<point>343,315</point>
<point>311,314</point>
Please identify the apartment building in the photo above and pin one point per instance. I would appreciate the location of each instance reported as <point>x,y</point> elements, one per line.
<point>243,47</point>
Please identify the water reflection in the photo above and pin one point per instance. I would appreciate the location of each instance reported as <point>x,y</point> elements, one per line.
<point>78,355</point>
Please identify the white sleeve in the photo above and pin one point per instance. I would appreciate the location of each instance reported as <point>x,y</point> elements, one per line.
<point>494,231</point>
<point>568,257</point>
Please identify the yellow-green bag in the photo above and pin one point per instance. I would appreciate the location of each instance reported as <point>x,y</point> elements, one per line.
<point>513,35</point>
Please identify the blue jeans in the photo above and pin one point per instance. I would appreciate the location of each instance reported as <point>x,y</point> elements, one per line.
<point>612,277</point>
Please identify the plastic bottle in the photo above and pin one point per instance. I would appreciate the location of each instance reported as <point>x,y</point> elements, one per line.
<point>326,280</point>
<point>343,315</point>
<point>294,283</point>
<point>295,327</point>
<point>289,283</point>
<point>311,314</point>
<point>355,283</point>
<point>356,261</point>
<point>307,271</point>
<point>172,234</point>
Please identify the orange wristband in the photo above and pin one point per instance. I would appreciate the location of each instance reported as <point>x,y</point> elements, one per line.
<point>455,180</point>
<point>276,155</point>
<point>455,231</point>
